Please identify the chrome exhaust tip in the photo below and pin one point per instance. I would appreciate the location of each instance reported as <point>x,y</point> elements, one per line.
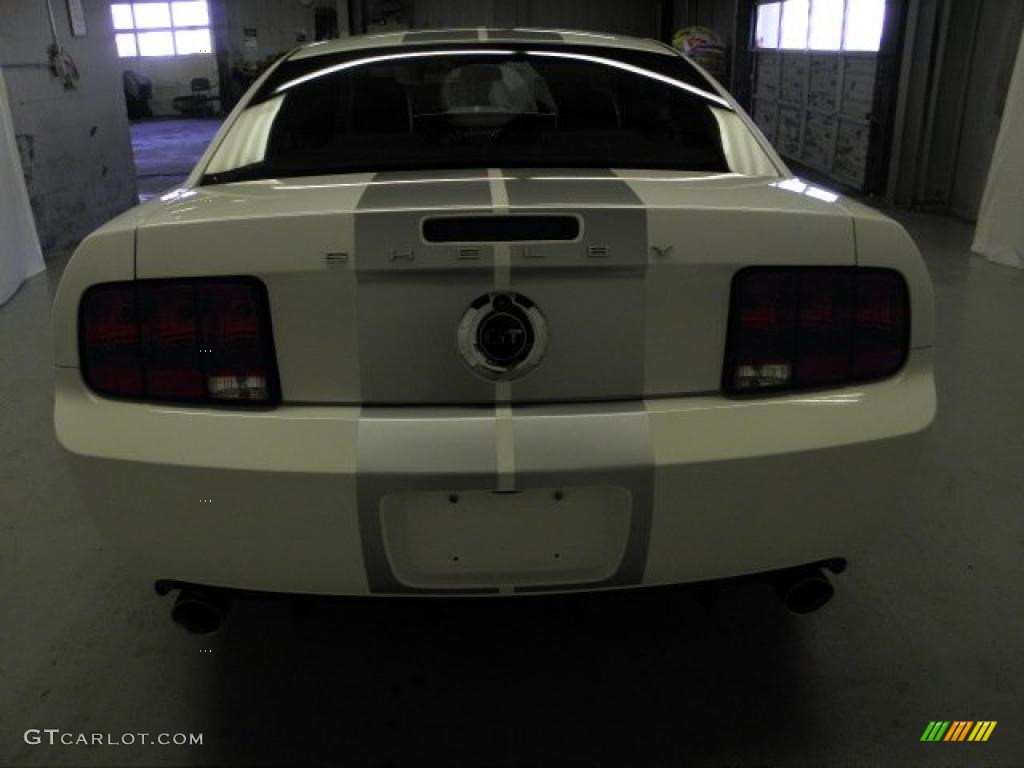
<point>200,611</point>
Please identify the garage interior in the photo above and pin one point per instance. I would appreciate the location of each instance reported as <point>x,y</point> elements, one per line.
<point>918,111</point>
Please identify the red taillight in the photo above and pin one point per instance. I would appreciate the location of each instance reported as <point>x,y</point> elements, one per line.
<point>179,340</point>
<point>793,328</point>
<point>882,322</point>
<point>109,330</point>
<point>170,342</point>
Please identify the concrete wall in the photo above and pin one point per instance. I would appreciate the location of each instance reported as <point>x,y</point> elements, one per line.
<point>74,144</point>
<point>278,25</point>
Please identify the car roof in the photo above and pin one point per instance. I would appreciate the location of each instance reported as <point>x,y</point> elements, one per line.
<point>476,35</point>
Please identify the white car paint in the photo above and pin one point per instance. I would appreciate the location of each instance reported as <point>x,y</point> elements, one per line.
<point>646,473</point>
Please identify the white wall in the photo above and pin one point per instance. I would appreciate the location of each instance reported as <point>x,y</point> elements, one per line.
<point>1000,233</point>
<point>20,256</point>
<point>74,144</point>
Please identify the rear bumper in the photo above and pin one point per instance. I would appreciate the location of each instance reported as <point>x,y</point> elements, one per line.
<point>325,500</point>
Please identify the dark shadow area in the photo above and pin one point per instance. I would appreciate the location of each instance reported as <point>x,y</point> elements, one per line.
<point>653,677</point>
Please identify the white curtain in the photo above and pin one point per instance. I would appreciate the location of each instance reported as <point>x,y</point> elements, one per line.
<point>1000,233</point>
<point>20,256</point>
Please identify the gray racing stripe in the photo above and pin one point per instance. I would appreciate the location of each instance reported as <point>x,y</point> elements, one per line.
<point>434,448</point>
<point>441,36</point>
<point>525,35</point>
<point>615,221</point>
<point>599,277</point>
<point>411,295</point>
<point>613,448</point>
<point>403,190</point>
<point>504,434</point>
<point>550,187</point>
<point>416,450</point>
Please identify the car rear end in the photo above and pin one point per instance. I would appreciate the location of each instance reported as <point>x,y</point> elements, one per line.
<point>455,366</point>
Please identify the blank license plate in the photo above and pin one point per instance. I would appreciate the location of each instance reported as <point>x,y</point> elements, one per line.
<point>536,537</point>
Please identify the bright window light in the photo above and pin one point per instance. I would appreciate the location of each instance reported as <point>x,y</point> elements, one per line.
<point>162,29</point>
<point>152,15</point>
<point>122,14</point>
<point>864,22</point>
<point>191,14</point>
<point>156,43</point>
<point>126,45</point>
<point>767,33</point>
<point>794,24</point>
<point>826,25</point>
<point>192,41</point>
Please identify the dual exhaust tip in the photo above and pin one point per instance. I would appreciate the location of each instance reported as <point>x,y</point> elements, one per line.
<point>202,610</point>
<point>804,590</point>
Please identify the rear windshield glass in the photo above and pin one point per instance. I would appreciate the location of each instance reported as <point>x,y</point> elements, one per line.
<point>416,108</point>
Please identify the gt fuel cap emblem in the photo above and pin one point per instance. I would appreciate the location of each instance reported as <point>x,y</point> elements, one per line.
<point>502,335</point>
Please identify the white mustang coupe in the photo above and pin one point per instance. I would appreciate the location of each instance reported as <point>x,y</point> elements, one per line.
<point>499,311</point>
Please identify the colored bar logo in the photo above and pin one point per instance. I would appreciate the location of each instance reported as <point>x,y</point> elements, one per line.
<point>958,730</point>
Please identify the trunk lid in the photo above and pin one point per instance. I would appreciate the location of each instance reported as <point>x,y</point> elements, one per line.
<point>366,310</point>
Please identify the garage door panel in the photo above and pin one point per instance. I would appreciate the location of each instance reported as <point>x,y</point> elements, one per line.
<point>816,109</point>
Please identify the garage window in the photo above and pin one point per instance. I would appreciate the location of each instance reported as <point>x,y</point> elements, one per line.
<point>162,29</point>
<point>768,17</point>
<point>820,25</point>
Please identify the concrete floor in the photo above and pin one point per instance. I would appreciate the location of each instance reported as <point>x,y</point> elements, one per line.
<point>929,625</point>
<point>166,149</point>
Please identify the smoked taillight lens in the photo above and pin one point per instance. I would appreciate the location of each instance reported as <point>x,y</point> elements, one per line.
<point>798,328</point>
<point>197,340</point>
<point>109,329</point>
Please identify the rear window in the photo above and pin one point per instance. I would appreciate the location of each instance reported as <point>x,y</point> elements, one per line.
<point>423,108</point>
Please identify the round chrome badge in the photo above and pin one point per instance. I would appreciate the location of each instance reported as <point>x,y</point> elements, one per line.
<point>502,335</point>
